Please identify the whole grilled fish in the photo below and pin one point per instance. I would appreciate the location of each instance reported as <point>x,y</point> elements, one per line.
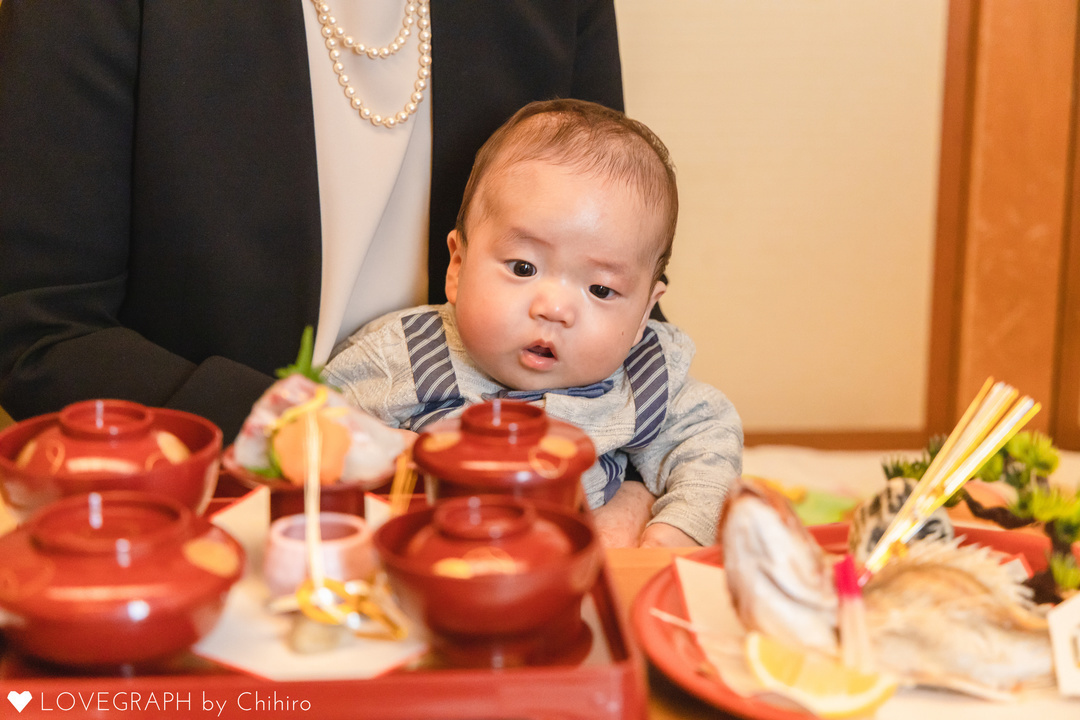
<point>943,615</point>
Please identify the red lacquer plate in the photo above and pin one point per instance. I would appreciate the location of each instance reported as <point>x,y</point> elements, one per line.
<point>675,653</point>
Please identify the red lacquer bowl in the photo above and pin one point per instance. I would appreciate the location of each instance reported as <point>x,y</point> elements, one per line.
<point>99,445</point>
<point>496,580</point>
<point>505,447</point>
<point>114,578</point>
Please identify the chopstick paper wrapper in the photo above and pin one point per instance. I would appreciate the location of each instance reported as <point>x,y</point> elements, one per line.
<point>988,423</point>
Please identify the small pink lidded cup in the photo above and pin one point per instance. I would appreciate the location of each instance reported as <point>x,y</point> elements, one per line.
<point>347,551</point>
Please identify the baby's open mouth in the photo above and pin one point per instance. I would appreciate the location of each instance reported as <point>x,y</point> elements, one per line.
<point>542,351</point>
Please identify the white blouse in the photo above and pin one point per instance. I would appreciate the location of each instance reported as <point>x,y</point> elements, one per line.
<point>374,182</point>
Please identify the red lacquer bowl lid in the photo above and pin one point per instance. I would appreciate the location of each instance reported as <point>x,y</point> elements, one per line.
<point>107,444</point>
<point>103,437</point>
<point>469,535</point>
<point>114,577</point>
<point>503,445</point>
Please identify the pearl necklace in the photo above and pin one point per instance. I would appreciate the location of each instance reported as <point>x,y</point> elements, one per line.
<point>417,12</point>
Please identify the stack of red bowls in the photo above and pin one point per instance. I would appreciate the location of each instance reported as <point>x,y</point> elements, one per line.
<point>497,568</point>
<point>112,564</point>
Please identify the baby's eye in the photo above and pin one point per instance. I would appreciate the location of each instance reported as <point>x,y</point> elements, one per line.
<point>521,268</point>
<point>601,291</point>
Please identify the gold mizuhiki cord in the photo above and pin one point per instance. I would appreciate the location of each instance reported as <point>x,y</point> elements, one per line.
<point>984,428</point>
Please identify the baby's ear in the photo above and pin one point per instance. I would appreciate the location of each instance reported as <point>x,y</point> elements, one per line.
<point>457,249</point>
<point>658,290</point>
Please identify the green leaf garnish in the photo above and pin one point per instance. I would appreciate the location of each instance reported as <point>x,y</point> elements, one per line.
<point>1065,571</point>
<point>901,467</point>
<point>1050,504</point>
<point>992,469</point>
<point>303,365</point>
<point>1034,450</point>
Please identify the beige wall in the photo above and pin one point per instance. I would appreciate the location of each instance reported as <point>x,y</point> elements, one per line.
<point>806,137</point>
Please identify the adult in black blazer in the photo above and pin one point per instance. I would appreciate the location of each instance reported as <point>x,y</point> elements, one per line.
<point>159,207</point>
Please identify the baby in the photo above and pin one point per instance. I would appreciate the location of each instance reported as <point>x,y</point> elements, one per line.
<point>564,232</point>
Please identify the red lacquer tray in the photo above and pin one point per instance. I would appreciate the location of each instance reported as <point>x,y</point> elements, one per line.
<point>614,689</point>
<point>675,653</point>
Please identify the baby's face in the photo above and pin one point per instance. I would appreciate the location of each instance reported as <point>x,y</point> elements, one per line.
<point>555,284</point>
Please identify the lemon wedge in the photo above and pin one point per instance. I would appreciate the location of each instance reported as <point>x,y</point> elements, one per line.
<point>819,683</point>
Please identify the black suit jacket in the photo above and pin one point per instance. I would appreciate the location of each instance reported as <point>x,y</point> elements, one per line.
<point>159,205</point>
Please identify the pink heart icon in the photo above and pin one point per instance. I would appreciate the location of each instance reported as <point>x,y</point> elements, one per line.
<point>19,700</point>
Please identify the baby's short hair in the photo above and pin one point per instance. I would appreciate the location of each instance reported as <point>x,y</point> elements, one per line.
<point>590,137</point>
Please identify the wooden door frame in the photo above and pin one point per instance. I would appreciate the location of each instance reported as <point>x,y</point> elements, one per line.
<point>1066,422</point>
<point>1002,304</point>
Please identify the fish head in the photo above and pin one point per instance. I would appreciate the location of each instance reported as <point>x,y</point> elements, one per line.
<point>778,576</point>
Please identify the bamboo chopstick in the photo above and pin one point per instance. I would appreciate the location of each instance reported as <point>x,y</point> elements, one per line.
<point>404,482</point>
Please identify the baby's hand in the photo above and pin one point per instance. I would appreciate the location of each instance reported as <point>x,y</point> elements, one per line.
<point>620,522</point>
<point>616,527</point>
<point>663,535</point>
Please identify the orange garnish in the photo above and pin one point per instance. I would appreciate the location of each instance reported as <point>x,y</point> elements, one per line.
<point>289,446</point>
